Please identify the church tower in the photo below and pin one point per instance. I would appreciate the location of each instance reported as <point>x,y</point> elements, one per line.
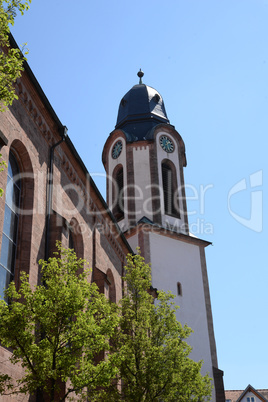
<point>144,157</point>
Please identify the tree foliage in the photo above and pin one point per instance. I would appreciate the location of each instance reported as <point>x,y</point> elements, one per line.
<point>56,330</point>
<point>64,332</point>
<point>2,166</point>
<point>11,60</point>
<point>154,357</point>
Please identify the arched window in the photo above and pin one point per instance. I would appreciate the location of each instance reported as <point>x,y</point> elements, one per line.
<point>111,286</point>
<point>75,238</point>
<point>71,240</point>
<point>69,235</point>
<point>169,179</point>
<point>118,198</point>
<point>10,228</point>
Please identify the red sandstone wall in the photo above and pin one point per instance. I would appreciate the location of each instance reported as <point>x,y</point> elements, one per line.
<point>31,130</point>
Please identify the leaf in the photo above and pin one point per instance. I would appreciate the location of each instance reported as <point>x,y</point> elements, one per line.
<point>57,329</point>
<point>151,347</point>
<point>11,60</point>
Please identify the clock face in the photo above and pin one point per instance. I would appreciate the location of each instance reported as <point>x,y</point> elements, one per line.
<point>117,148</point>
<point>166,143</point>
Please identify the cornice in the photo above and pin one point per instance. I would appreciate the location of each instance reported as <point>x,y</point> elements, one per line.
<point>157,229</point>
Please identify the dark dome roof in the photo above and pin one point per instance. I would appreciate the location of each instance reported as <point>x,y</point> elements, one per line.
<point>141,109</point>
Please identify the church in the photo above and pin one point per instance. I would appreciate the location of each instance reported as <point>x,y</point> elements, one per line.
<point>49,195</point>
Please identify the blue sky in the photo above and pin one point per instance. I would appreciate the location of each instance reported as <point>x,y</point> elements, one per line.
<point>209,60</point>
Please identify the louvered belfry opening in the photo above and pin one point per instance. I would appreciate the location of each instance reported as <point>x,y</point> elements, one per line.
<point>118,210</point>
<point>169,189</point>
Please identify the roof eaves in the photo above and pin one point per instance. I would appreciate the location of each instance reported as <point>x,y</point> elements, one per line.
<point>146,221</point>
<point>69,143</point>
<point>37,86</point>
<point>254,391</point>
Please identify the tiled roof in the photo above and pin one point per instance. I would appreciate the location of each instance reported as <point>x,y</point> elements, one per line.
<point>233,395</point>
<point>263,392</point>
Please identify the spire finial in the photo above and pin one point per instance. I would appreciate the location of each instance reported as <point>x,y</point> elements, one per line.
<point>140,74</point>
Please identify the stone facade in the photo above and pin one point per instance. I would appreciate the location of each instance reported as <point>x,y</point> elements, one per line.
<point>29,129</point>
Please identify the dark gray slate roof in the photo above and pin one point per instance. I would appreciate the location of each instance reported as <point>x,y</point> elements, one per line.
<point>141,109</point>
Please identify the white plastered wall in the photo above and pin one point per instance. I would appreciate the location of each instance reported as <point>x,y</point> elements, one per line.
<point>250,394</point>
<point>142,180</point>
<point>113,163</point>
<point>177,224</point>
<point>134,242</point>
<point>176,261</point>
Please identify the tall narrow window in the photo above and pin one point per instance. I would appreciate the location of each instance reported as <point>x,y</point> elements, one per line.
<point>169,189</point>
<point>76,238</point>
<point>179,291</point>
<point>111,290</point>
<point>10,229</point>
<point>69,234</point>
<point>118,210</point>
<point>71,240</point>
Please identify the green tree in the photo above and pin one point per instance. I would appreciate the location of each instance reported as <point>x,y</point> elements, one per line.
<point>11,60</point>
<point>56,330</point>
<point>2,166</point>
<point>155,363</point>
